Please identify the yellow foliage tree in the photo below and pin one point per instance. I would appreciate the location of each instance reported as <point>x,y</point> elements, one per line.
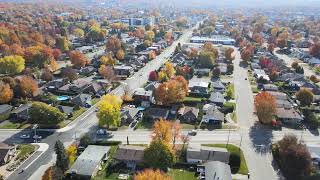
<point>162,131</point>
<point>107,59</point>
<point>109,110</point>
<point>6,93</point>
<point>120,54</point>
<point>150,174</point>
<point>169,69</point>
<point>72,153</point>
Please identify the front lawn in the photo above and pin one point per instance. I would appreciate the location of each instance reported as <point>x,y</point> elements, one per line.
<point>144,124</point>
<point>181,174</point>
<point>235,152</point>
<point>14,125</point>
<point>77,113</point>
<point>192,99</point>
<point>24,151</point>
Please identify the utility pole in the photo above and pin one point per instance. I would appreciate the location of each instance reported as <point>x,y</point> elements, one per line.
<point>228,137</point>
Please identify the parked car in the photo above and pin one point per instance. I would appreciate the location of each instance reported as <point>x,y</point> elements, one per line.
<point>25,136</point>
<point>37,137</point>
<point>192,133</point>
<point>101,132</point>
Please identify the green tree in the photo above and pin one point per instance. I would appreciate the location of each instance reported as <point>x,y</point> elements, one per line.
<point>62,43</point>
<point>159,155</point>
<point>109,110</point>
<point>44,114</point>
<point>207,59</point>
<point>62,158</point>
<point>12,64</point>
<point>305,96</point>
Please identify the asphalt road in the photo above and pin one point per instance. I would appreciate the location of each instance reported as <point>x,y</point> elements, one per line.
<point>86,123</point>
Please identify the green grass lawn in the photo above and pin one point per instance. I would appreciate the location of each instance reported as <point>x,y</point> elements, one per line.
<point>94,101</point>
<point>144,124</point>
<point>14,125</point>
<point>77,113</point>
<point>243,169</point>
<point>25,150</point>
<point>180,174</point>
<point>187,126</point>
<point>254,89</point>
<point>192,99</point>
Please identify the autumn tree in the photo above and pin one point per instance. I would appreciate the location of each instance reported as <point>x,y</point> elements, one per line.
<point>169,69</point>
<point>153,76</point>
<point>246,55</point>
<point>282,43</point>
<point>314,79</point>
<point>78,59</point>
<point>305,96</point>
<point>265,105</point>
<point>27,87</point>
<point>72,153</point>
<point>159,155</point>
<point>162,76</point>
<point>109,111</point>
<point>6,94</point>
<point>46,75</point>
<point>162,131</point>
<point>62,43</point>
<point>315,50</point>
<point>271,47</point>
<point>274,75</point>
<point>229,54</point>
<point>70,73</point>
<point>12,64</point>
<point>294,157</point>
<point>56,53</point>
<point>152,55</point>
<point>149,35</point>
<point>120,54</point>
<point>107,59</point>
<point>78,33</point>
<point>148,174</point>
<point>113,44</point>
<point>176,132</point>
<point>107,72</point>
<point>295,65</point>
<point>175,90</point>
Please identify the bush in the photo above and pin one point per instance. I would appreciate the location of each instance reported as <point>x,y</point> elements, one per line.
<point>234,162</point>
<point>44,114</point>
<point>107,143</point>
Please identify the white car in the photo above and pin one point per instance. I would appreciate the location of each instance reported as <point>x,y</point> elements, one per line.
<point>101,132</point>
<point>25,136</point>
<point>37,137</point>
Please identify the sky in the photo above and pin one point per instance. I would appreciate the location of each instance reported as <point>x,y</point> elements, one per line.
<point>211,3</point>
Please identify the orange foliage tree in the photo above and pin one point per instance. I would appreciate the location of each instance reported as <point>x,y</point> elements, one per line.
<point>27,86</point>
<point>113,44</point>
<point>6,94</point>
<point>172,91</point>
<point>315,50</point>
<point>228,54</point>
<point>78,59</point>
<point>265,105</point>
<point>148,174</point>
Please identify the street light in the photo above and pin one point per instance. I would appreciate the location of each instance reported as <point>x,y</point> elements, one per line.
<point>34,127</point>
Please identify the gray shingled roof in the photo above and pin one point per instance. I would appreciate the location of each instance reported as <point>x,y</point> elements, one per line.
<point>217,170</point>
<point>89,160</point>
<point>130,153</point>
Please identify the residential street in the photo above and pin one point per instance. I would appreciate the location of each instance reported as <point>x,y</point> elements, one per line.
<point>253,139</point>
<point>87,122</point>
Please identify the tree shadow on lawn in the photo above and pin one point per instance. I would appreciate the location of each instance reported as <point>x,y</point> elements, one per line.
<point>261,138</point>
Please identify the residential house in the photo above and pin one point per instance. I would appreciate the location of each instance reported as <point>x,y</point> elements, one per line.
<point>5,110</point>
<point>21,112</point>
<point>288,77</point>
<point>217,98</point>
<point>123,71</point>
<point>202,72</point>
<point>278,95</point>
<point>283,103</point>
<point>156,113</point>
<point>218,86</point>
<point>152,86</point>
<point>214,170</point>
<point>131,155</point>
<point>87,71</point>
<point>75,87</point>
<point>198,87</point>
<point>97,89</point>
<point>212,116</point>
<point>141,95</point>
<point>188,114</point>
<point>129,114</point>
<point>203,154</point>
<point>223,68</point>
<point>180,59</point>
<point>255,66</point>
<point>7,152</point>
<point>270,87</point>
<point>56,84</point>
<point>67,110</point>
<point>289,116</point>
<point>89,162</point>
<point>83,100</point>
